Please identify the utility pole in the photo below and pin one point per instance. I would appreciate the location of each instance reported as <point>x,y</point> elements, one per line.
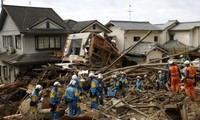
<point>1,4</point>
<point>129,11</point>
<point>29,3</point>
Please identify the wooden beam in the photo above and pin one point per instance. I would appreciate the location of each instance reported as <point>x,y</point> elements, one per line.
<point>128,50</point>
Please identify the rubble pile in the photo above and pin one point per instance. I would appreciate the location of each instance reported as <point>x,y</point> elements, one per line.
<point>151,104</point>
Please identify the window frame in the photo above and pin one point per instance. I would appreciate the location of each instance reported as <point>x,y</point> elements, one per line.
<point>155,39</point>
<point>46,44</point>
<point>94,27</point>
<point>18,42</point>
<point>5,72</point>
<point>73,47</point>
<point>7,42</point>
<point>135,38</point>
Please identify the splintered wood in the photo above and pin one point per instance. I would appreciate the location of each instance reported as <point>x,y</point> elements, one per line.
<point>150,104</point>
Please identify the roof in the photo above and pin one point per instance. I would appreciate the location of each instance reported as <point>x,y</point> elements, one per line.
<point>175,44</point>
<point>26,59</point>
<point>166,25</point>
<point>144,48</point>
<point>133,25</point>
<point>186,25</point>
<point>25,17</point>
<point>77,27</point>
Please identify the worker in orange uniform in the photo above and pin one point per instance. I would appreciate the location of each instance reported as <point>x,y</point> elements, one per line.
<point>190,78</point>
<point>174,75</point>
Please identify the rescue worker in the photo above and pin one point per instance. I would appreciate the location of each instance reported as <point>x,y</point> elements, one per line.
<point>190,78</point>
<point>54,101</point>
<point>35,98</point>
<point>79,86</point>
<point>71,97</point>
<point>117,88</point>
<point>123,84</point>
<point>81,83</point>
<point>101,88</point>
<point>182,59</point>
<point>94,93</point>
<point>174,75</point>
<point>160,79</point>
<point>139,84</point>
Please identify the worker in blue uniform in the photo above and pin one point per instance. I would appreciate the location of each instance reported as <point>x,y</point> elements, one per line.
<point>79,86</point>
<point>117,88</point>
<point>54,101</point>
<point>35,98</point>
<point>94,93</point>
<point>101,88</point>
<point>139,84</point>
<point>160,80</point>
<point>72,97</point>
<point>123,84</point>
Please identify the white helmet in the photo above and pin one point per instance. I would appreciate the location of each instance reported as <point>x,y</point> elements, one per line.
<point>38,87</point>
<point>159,71</point>
<point>91,75</point>
<point>100,76</point>
<point>114,76</point>
<point>138,77</point>
<point>74,77</point>
<point>73,82</point>
<point>171,62</point>
<point>187,62</point>
<point>56,83</point>
<point>181,56</point>
<point>145,76</point>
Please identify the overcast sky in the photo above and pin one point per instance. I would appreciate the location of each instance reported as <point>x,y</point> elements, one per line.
<point>154,11</point>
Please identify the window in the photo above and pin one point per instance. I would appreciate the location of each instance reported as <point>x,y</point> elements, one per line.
<point>5,72</point>
<point>7,41</point>
<point>18,42</point>
<point>171,37</point>
<point>94,26</point>
<point>48,43</point>
<point>76,46</point>
<point>47,24</point>
<point>136,38</point>
<point>155,38</point>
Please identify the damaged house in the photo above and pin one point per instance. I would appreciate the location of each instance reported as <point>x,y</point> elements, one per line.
<point>92,47</point>
<point>146,52</point>
<point>28,36</point>
<point>88,41</point>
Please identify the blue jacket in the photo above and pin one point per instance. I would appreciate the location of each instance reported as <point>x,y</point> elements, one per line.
<point>54,96</point>
<point>101,86</point>
<point>160,77</point>
<point>35,97</point>
<point>124,82</point>
<point>71,93</point>
<point>116,84</point>
<point>79,86</point>
<point>94,86</point>
<point>139,84</point>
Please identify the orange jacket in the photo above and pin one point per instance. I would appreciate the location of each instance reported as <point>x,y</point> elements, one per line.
<point>191,72</point>
<point>174,71</point>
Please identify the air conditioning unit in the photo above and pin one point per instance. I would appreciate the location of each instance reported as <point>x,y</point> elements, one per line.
<point>11,50</point>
